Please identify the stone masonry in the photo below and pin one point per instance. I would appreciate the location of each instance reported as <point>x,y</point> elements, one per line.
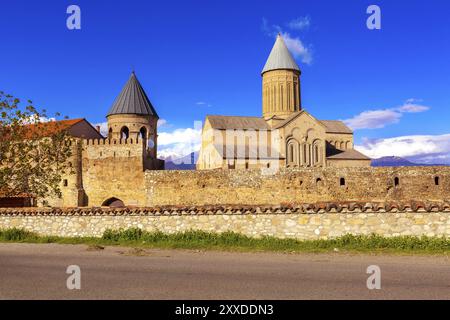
<point>307,221</point>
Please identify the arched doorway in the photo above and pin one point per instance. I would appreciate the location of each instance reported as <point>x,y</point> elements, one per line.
<point>113,202</point>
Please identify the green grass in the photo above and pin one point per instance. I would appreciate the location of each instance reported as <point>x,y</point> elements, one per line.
<point>231,241</point>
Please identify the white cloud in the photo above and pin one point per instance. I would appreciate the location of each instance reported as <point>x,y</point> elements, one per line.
<point>294,43</point>
<point>412,108</point>
<point>375,119</point>
<point>300,23</point>
<point>179,143</point>
<point>103,128</point>
<point>34,119</point>
<point>163,123</point>
<point>297,48</point>
<point>419,148</point>
<point>202,103</point>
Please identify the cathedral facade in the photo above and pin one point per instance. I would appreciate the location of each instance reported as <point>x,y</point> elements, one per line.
<point>285,136</point>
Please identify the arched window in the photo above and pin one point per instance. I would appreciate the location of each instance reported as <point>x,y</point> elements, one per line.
<point>291,153</point>
<point>342,181</point>
<point>113,202</point>
<point>142,133</point>
<point>124,133</point>
<point>110,133</point>
<point>316,153</point>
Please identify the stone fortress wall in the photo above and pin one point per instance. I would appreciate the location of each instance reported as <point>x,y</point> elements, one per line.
<point>105,169</point>
<point>297,185</point>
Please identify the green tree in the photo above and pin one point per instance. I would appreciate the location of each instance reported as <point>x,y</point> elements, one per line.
<point>34,152</point>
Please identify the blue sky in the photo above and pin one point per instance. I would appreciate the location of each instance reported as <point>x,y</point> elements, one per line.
<point>205,57</point>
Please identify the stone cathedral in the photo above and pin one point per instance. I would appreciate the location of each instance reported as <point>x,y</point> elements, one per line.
<point>285,136</point>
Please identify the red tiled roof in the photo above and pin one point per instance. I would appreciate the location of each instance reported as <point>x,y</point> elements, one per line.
<point>45,129</point>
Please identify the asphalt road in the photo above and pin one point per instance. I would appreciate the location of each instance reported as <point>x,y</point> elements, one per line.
<point>31,271</point>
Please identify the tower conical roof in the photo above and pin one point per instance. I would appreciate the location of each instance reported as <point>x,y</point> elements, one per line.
<point>280,57</point>
<point>132,100</point>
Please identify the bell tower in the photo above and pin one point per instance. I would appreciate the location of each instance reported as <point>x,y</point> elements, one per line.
<point>280,83</point>
<point>132,116</point>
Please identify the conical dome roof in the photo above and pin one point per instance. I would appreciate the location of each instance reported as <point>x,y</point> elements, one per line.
<point>132,100</point>
<point>280,57</point>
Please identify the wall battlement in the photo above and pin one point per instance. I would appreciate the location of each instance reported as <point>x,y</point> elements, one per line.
<point>112,142</point>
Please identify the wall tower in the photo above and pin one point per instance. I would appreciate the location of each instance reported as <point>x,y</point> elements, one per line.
<point>132,116</point>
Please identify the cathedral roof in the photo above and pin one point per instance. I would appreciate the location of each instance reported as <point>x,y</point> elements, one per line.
<point>237,123</point>
<point>331,126</point>
<point>350,154</point>
<point>336,126</point>
<point>132,100</point>
<point>280,57</point>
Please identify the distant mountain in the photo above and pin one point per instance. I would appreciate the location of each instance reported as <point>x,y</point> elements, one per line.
<point>397,162</point>
<point>185,163</point>
<point>188,162</point>
<point>392,162</point>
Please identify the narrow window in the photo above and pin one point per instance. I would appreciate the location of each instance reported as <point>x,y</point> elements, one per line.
<point>396,181</point>
<point>316,153</point>
<point>436,181</point>
<point>318,182</point>
<point>65,183</point>
<point>342,181</point>
<point>246,165</point>
<point>268,165</point>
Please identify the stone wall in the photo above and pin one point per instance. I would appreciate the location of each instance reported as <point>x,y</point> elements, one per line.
<point>307,221</point>
<point>108,171</point>
<point>290,186</point>
<point>113,168</point>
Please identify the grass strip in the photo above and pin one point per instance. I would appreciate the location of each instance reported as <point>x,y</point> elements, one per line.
<point>231,241</point>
